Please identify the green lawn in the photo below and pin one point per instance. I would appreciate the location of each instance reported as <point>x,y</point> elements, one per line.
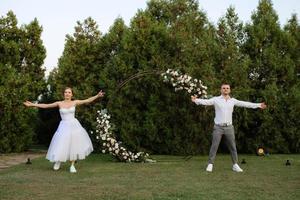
<point>171,177</point>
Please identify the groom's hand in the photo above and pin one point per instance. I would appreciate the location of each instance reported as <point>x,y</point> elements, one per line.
<point>263,105</point>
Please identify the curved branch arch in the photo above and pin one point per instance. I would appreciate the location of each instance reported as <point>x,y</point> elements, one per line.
<point>105,135</point>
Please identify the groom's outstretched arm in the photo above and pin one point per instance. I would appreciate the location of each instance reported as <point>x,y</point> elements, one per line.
<point>249,104</point>
<point>206,102</point>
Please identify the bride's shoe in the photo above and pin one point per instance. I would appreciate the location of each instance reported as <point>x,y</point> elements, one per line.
<point>56,166</point>
<point>73,169</point>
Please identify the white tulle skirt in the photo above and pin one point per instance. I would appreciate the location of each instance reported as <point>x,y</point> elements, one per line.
<point>70,142</point>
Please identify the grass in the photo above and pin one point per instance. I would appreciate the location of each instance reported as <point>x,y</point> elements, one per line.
<point>170,178</point>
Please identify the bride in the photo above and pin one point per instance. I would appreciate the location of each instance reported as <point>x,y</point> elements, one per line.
<point>70,141</point>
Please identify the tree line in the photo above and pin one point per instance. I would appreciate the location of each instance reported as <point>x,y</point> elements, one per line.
<point>260,60</point>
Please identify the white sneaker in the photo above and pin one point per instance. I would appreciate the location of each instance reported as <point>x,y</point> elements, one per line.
<point>73,169</point>
<point>56,166</point>
<point>209,168</point>
<point>236,168</point>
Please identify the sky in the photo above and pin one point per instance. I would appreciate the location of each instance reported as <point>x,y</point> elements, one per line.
<point>58,17</point>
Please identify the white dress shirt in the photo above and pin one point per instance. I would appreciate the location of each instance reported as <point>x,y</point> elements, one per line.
<point>224,108</point>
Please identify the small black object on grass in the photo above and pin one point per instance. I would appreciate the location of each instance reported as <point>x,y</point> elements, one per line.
<point>288,163</point>
<point>28,161</point>
<point>243,161</point>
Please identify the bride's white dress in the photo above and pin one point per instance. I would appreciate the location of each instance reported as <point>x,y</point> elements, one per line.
<point>70,141</point>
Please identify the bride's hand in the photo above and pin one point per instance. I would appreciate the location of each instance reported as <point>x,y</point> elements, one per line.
<point>28,103</point>
<point>100,94</point>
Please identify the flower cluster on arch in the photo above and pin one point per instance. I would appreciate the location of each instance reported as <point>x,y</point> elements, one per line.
<point>185,82</point>
<point>110,145</point>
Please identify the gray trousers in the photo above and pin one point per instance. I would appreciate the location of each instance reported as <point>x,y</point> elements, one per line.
<point>228,132</point>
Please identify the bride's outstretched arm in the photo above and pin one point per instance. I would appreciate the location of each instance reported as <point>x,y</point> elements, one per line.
<point>40,105</point>
<point>91,99</point>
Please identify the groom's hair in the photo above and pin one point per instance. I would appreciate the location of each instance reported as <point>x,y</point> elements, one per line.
<point>225,83</point>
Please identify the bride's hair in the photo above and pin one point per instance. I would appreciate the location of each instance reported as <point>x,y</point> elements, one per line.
<point>68,88</point>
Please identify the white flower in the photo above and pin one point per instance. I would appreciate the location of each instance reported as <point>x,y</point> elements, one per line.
<point>178,80</point>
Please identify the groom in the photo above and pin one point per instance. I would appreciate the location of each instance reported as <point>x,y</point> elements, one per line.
<point>223,123</point>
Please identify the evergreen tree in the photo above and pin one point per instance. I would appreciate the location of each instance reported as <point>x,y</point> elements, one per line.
<point>78,68</point>
<point>292,97</point>
<point>21,56</point>
<point>271,73</point>
<point>232,67</point>
<point>148,114</point>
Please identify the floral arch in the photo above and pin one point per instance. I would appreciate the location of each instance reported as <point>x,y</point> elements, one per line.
<point>104,134</point>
